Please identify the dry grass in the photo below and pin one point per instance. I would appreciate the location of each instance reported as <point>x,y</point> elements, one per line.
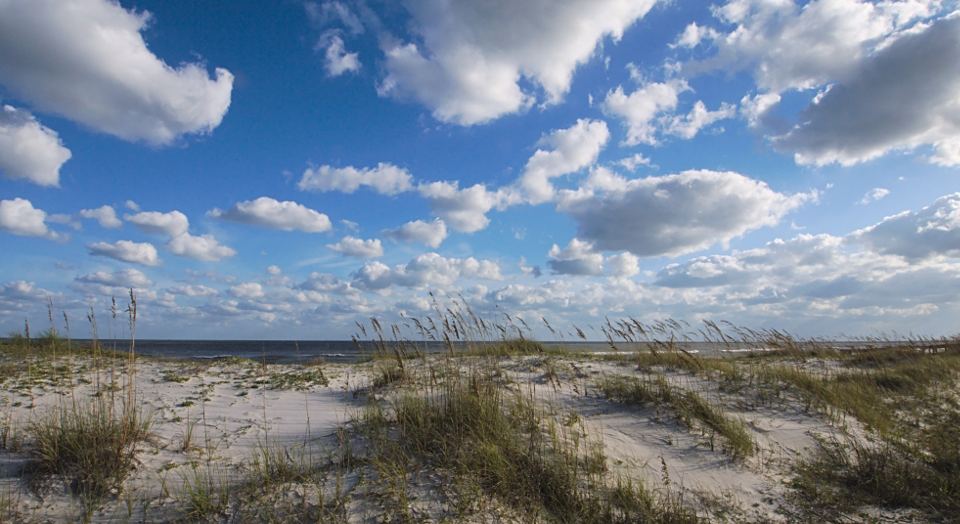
<point>503,446</point>
<point>687,406</point>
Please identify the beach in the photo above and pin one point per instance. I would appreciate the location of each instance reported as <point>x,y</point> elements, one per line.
<point>237,440</point>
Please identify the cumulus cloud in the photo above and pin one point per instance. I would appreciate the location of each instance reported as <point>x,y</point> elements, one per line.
<point>464,209</point>
<point>568,151</point>
<point>127,278</point>
<point>203,247</point>
<point>358,247</point>
<point>104,215</point>
<point>268,212</point>
<point>176,226</point>
<point>426,270</point>
<point>19,217</point>
<point>640,109</point>
<point>901,97</point>
<point>430,234</point>
<point>247,290</point>
<point>29,150</point>
<point>386,179</point>
<point>789,45</point>
<point>135,252</point>
<point>623,265</point>
<point>336,59</point>
<point>933,230</point>
<point>172,223</point>
<point>87,60</point>
<point>673,214</point>
<point>578,258</point>
<point>474,60</point>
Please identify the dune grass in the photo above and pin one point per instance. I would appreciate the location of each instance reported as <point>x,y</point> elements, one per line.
<point>90,444</point>
<point>502,444</point>
<point>689,407</point>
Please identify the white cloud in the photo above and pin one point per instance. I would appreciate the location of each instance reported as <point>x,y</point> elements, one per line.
<point>694,34</point>
<point>933,230</point>
<point>247,290</point>
<point>358,247</point>
<point>87,60</point>
<point>18,216</point>
<point>337,60</point>
<point>755,109</point>
<point>687,126</point>
<point>268,212</point>
<point>901,97</point>
<point>203,247</point>
<point>104,215</point>
<point>176,226</point>
<point>127,278</point>
<point>193,290</point>
<point>639,110</point>
<point>135,252</point>
<point>791,46</point>
<point>430,234</point>
<point>172,223</point>
<point>386,179</point>
<point>29,150</point>
<point>674,214</point>
<point>426,270</point>
<point>464,209</point>
<point>634,161</point>
<point>877,193</point>
<point>570,150</point>
<point>473,57</point>
<point>578,258</point>
<point>623,265</point>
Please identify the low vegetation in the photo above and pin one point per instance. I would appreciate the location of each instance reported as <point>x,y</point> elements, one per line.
<point>502,446</point>
<point>688,406</point>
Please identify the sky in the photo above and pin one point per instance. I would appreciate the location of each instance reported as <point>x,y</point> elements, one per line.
<point>282,170</point>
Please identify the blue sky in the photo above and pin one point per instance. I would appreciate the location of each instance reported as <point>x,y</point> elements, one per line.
<point>281,171</point>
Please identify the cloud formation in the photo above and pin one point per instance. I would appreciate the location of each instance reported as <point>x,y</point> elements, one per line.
<point>205,248</point>
<point>127,251</point>
<point>426,270</point>
<point>105,215</point>
<point>568,151</point>
<point>29,150</point>
<point>268,212</point>
<point>472,59</point>
<point>933,230</point>
<point>337,60</point>
<point>901,97</point>
<point>358,247</point>
<point>430,234</point>
<point>672,214</point>
<point>87,61</point>
<point>385,178</point>
<point>124,278</point>
<point>19,217</point>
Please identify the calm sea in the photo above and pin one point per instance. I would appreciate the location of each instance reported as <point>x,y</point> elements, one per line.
<point>288,351</point>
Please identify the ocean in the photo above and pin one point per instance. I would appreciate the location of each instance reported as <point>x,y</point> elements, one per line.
<point>289,351</point>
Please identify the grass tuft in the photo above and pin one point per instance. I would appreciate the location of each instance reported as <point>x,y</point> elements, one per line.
<point>90,444</point>
<point>688,406</point>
